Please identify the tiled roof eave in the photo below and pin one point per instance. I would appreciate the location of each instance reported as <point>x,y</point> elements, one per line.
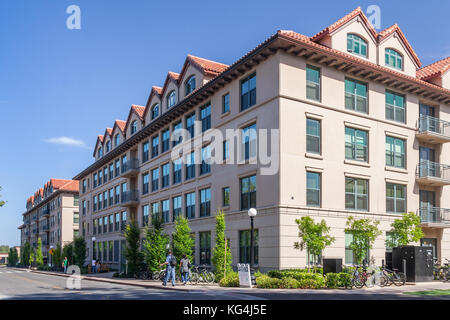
<point>46,200</point>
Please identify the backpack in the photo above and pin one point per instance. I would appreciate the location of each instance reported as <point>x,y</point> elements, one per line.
<point>173,261</point>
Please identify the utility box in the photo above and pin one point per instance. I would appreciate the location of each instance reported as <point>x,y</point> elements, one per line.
<point>419,262</point>
<point>388,257</point>
<point>332,265</point>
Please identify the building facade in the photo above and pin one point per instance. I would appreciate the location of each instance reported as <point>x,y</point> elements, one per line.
<point>52,215</point>
<point>344,123</point>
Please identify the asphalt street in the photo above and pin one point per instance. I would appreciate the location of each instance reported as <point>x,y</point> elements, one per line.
<point>25,285</point>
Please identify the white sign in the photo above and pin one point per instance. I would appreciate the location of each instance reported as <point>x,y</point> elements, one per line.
<point>245,279</point>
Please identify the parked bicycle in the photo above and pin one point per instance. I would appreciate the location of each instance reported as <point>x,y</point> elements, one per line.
<point>393,276</point>
<point>441,272</point>
<point>201,274</point>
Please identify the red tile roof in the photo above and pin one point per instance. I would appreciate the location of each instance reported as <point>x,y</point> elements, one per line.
<point>171,76</point>
<point>208,67</point>
<point>138,110</point>
<point>58,185</point>
<point>434,69</point>
<point>120,124</point>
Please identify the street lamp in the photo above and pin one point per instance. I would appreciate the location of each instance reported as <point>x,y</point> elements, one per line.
<point>252,212</point>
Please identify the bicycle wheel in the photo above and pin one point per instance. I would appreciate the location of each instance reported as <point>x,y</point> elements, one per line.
<point>208,277</point>
<point>399,279</point>
<point>357,282</point>
<point>162,275</point>
<point>193,278</point>
<point>383,281</point>
<point>155,275</point>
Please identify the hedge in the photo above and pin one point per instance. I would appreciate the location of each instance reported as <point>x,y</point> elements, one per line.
<point>338,280</point>
<point>291,280</point>
<point>231,280</point>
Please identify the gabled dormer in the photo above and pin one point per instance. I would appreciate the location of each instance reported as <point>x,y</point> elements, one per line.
<point>153,106</point>
<point>135,120</point>
<point>118,133</point>
<point>437,73</point>
<point>107,141</point>
<point>395,52</point>
<point>98,150</point>
<point>170,91</point>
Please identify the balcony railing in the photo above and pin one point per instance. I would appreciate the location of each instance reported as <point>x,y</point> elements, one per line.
<point>434,215</point>
<point>130,197</point>
<point>45,228</point>
<point>433,130</point>
<point>432,173</point>
<point>45,212</point>
<point>131,167</point>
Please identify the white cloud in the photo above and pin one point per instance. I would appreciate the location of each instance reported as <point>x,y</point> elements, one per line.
<point>67,142</point>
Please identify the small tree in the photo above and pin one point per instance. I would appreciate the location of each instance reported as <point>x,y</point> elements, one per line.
<point>25,253</point>
<point>32,257</point>
<point>79,251</point>
<point>221,260</point>
<point>364,233</point>
<point>405,230</point>
<point>68,252</point>
<point>13,257</point>
<point>182,241</point>
<point>39,255</point>
<point>2,203</point>
<point>314,237</point>
<point>132,250</point>
<point>155,245</point>
<point>57,256</point>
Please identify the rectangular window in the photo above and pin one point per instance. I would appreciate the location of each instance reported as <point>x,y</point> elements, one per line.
<point>100,201</point>
<point>176,171</point>
<point>124,221</point>
<point>395,198</point>
<point>111,223</point>
<point>356,144</point>
<point>190,165</point>
<point>95,226</point>
<point>356,194</point>
<point>248,192</point>
<point>226,196</point>
<point>117,196</point>
<point>116,250</point>
<point>165,140</point>
<point>100,177</point>
<point>244,246</point>
<point>226,103</point>
<point>111,171</point>
<point>155,179</point>
<point>313,185</point>
<point>205,202</point>
<point>395,107</point>
<point>205,166</point>
<point>312,83</point>
<point>248,92</point>
<point>117,173</point>
<point>313,134</point>
<point>95,203</point>
<point>145,182</point>
<point>95,180</point>
<point>124,164</point>
<point>111,246</point>
<point>350,257</point>
<point>395,152</point>
<point>145,212</point>
<point>178,137</point>
<point>155,210</point>
<point>165,175</point>
<point>155,146</point>
<point>76,218</point>
<point>165,210</point>
<point>248,142</point>
<point>105,174</point>
<point>145,151</point>
<point>105,199</point>
<point>205,247</point>
<point>190,122</point>
<point>100,225</point>
<point>205,116</point>
<point>190,205</point>
<point>105,224</point>
<point>84,207</point>
<point>117,227</point>
<point>176,205</point>
<point>111,197</point>
<point>355,95</point>
<point>84,185</point>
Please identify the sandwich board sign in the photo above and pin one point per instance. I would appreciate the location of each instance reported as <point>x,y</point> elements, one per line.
<point>245,280</point>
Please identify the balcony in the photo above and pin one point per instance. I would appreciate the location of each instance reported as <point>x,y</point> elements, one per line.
<point>35,230</point>
<point>130,168</point>
<point>434,217</point>
<point>433,130</point>
<point>130,198</point>
<point>45,228</point>
<point>45,243</point>
<point>433,174</point>
<point>35,218</point>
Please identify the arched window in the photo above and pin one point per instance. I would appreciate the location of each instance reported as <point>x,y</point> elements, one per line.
<point>171,99</point>
<point>133,127</point>
<point>116,140</point>
<point>189,85</point>
<point>108,146</point>
<point>393,59</point>
<point>155,111</point>
<point>356,45</point>
<point>100,152</point>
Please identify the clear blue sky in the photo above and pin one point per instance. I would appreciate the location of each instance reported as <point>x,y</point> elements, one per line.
<point>56,82</point>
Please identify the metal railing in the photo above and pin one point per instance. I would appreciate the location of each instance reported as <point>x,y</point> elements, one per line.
<point>130,165</point>
<point>130,196</point>
<point>435,125</point>
<point>434,215</point>
<point>432,169</point>
<point>45,228</point>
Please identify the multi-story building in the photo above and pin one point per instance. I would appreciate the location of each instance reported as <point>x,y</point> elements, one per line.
<point>358,128</point>
<point>51,215</point>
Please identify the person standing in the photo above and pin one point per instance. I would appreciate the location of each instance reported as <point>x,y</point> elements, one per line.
<point>171,263</point>
<point>185,264</point>
<point>65,262</point>
<point>94,266</point>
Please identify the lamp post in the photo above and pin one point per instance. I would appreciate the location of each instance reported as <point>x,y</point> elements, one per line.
<point>252,212</point>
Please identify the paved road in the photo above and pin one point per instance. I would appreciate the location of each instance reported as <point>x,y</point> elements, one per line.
<point>22,284</point>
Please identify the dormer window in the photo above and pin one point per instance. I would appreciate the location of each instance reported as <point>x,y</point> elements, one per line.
<point>134,127</point>
<point>108,146</point>
<point>189,85</point>
<point>116,140</point>
<point>155,111</point>
<point>393,59</point>
<point>171,99</point>
<point>100,152</point>
<point>356,45</point>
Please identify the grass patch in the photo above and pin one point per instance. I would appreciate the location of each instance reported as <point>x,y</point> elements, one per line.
<point>430,293</point>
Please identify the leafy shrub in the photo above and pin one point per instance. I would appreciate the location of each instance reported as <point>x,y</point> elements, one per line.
<point>289,272</point>
<point>267,282</point>
<point>332,280</point>
<point>231,280</point>
<point>289,283</point>
<point>345,280</point>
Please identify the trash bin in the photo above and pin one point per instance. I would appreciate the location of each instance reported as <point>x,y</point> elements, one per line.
<point>332,265</point>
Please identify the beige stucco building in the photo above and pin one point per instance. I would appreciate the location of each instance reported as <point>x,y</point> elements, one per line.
<point>52,215</point>
<point>359,128</point>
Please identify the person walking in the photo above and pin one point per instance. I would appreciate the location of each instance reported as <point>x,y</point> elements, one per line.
<point>98,266</point>
<point>185,264</point>
<point>171,263</point>
<point>94,266</point>
<point>65,263</point>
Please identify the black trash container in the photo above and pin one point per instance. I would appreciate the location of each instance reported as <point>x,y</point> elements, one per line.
<point>419,262</point>
<point>332,265</point>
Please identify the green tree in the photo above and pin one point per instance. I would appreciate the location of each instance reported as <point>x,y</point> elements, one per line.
<point>13,257</point>
<point>155,245</point>
<point>132,249</point>
<point>364,232</point>
<point>32,257</point>
<point>79,251</point>
<point>57,256</point>
<point>313,236</point>
<point>221,260</point>
<point>68,252</point>
<point>405,230</point>
<point>25,253</point>
<point>39,255</point>
<point>182,242</point>
<point>2,203</point>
